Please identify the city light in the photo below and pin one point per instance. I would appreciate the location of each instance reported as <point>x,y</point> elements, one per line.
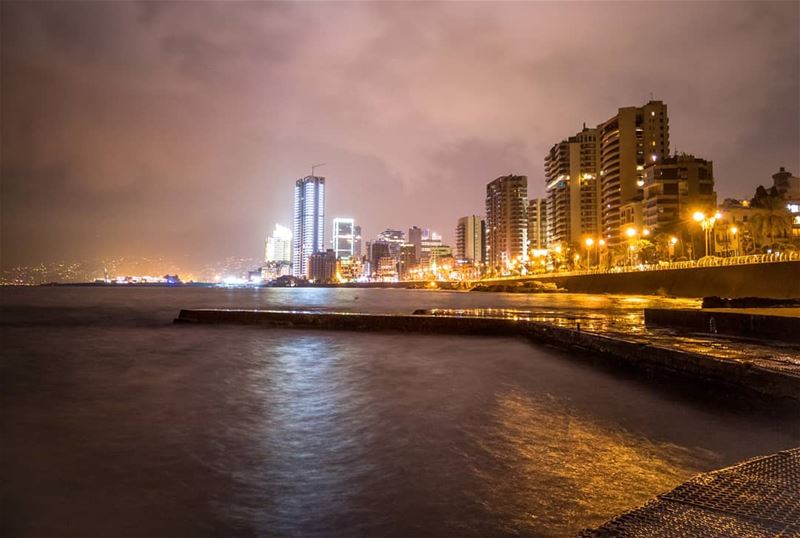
<point>630,232</point>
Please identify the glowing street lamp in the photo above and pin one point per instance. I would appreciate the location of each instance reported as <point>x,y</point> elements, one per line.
<point>734,231</point>
<point>589,242</point>
<point>672,242</point>
<point>706,223</point>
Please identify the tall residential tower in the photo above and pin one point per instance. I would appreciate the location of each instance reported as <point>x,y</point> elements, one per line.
<point>573,189</point>
<point>506,221</point>
<point>471,239</point>
<point>632,139</point>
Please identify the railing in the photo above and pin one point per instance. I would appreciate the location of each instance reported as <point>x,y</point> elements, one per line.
<point>709,261</point>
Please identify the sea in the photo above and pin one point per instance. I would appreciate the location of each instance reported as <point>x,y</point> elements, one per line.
<point>118,423</point>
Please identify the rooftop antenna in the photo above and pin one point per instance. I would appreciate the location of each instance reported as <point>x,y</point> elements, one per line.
<point>315,166</point>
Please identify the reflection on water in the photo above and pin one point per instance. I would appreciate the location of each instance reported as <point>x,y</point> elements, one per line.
<point>588,468</point>
<point>117,423</point>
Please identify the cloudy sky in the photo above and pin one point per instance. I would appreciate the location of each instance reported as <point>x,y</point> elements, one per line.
<point>178,129</point>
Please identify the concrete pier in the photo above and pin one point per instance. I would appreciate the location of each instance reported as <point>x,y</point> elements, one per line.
<point>759,497</point>
<point>781,324</point>
<point>734,378</point>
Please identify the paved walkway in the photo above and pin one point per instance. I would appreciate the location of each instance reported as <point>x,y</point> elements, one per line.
<point>757,498</point>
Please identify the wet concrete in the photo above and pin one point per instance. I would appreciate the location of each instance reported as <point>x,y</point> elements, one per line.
<point>773,324</point>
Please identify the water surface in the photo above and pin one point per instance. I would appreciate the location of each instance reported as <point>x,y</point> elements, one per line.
<point>117,423</point>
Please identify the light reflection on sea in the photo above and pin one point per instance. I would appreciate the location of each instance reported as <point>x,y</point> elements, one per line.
<point>117,423</point>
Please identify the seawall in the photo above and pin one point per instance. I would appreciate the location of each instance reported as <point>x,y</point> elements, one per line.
<point>780,280</point>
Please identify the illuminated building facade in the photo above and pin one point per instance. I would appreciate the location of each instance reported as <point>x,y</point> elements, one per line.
<point>344,234</point>
<point>537,224</point>
<point>471,239</point>
<point>573,189</point>
<point>309,222</point>
<point>279,246</point>
<point>629,141</point>
<point>506,221</point>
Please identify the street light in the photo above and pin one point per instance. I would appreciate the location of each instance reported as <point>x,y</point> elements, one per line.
<point>706,223</point>
<point>672,242</point>
<point>589,242</point>
<point>734,230</point>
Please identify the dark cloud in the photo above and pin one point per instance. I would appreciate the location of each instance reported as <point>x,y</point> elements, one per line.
<point>178,128</point>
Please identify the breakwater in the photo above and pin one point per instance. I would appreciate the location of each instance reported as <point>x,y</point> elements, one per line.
<point>728,377</point>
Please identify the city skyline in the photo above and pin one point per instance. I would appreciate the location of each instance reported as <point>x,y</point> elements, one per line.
<point>218,125</point>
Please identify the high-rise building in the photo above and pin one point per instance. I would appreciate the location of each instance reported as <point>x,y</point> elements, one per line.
<point>471,239</point>
<point>378,250</point>
<point>395,239</point>
<point>676,187</point>
<point>357,241</point>
<point>408,261</point>
<point>537,224</point>
<point>309,222</point>
<point>630,140</point>
<point>344,232</point>
<point>506,221</point>
<point>415,238</point>
<point>279,246</point>
<point>573,189</point>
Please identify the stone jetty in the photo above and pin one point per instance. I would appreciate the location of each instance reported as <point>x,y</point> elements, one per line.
<point>727,377</point>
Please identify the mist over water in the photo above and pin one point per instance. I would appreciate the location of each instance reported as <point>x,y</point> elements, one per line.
<point>118,423</point>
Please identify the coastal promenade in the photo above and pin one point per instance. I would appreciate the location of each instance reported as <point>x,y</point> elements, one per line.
<point>774,276</point>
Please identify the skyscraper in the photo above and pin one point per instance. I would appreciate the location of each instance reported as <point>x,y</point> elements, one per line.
<point>573,189</point>
<point>309,222</point>
<point>471,239</point>
<point>344,237</point>
<point>506,221</point>
<point>630,140</point>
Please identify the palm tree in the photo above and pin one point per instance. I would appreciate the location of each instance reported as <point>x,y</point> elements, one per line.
<point>771,219</point>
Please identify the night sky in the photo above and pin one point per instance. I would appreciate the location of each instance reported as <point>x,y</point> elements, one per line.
<point>178,129</point>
